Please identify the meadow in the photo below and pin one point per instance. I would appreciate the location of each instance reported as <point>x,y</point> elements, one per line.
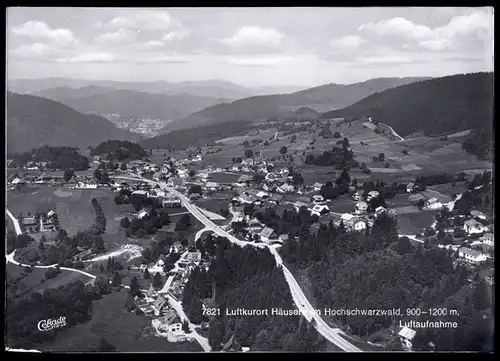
<point>126,331</point>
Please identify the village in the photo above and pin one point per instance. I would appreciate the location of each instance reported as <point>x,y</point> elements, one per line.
<point>256,183</point>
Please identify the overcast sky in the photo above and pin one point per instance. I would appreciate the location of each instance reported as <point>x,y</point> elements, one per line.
<point>248,46</point>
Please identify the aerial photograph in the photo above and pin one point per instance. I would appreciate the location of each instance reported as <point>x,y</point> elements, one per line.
<point>249,180</point>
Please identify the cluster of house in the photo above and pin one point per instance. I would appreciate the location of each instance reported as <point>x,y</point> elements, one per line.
<point>39,223</point>
<point>166,319</point>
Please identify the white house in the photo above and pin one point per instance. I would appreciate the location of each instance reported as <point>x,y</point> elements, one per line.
<point>406,336</point>
<point>358,195</point>
<point>317,186</point>
<point>194,257</point>
<point>360,207</point>
<point>474,227</point>
<point>317,198</point>
<point>140,193</point>
<point>347,219</point>
<point>434,203</point>
<point>471,255</point>
<point>283,237</point>
<point>372,194</point>
<point>285,188</point>
<point>478,214</point>
<point>263,195</point>
<point>409,187</point>
<point>142,214</point>
<point>320,210</point>
<point>211,186</point>
<point>298,205</point>
<point>359,225</point>
<point>267,234</point>
<point>380,211</point>
<point>487,239</point>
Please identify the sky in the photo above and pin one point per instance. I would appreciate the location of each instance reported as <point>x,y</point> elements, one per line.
<point>248,46</point>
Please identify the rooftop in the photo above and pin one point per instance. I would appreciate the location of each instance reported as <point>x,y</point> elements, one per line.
<point>407,333</point>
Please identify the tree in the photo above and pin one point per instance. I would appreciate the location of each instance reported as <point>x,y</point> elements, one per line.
<point>157,281</point>
<point>191,173</point>
<point>248,153</point>
<point>134,287</point>
<point>105,346</point>
<point>336,135</point>
<point>41,246</point>
<point>146,274</point>
<point>185,327</point>
<point>345,143</point>
<point>381,157</point>
<point>123,167</point>
<point>125,222</point>
<point>283,150</point>
<point>104,178</point>
<point>117,279</point>
<point>420,204</point>
<point>68,174</point>
<point>405,151</point>
<point>102,165</point>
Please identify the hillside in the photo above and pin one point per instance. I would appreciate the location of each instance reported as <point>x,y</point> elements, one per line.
<point>33,122</point>
<point>435,106</point>
<point>207,88</point>
<point>128,103</point>
<point>183,138</point>
<point>278,105</point>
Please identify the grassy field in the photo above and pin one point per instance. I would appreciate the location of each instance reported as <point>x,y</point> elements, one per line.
<point>33,281</point>
<point>127,332</point>
<point>213,205</point>
<point>223,177</point>
<point>414,222</point>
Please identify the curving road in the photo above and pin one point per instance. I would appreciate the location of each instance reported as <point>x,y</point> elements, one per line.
<point>331,334</point>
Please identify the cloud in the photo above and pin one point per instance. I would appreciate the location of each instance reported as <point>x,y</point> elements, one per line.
<point>348,42</point>
<point>263,61</point>
<point>147,20</point>
<point>90,58</point>
<point>174,59</point>
<point>387,59</point>
<point>175,35</point>
<point>120,36</point>
<point>478,25</point>
<point>40,30</point>
<point>254,35</point>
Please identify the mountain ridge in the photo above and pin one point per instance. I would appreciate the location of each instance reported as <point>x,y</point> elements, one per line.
<point>33,122</point>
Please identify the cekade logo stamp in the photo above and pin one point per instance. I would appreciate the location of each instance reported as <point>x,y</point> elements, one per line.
<point>47,325</point>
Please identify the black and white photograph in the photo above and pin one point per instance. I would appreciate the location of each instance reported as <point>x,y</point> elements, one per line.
<point>249,180</point>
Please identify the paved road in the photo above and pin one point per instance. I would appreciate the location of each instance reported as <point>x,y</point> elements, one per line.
<point>17,227</point>
<point>298,296</point>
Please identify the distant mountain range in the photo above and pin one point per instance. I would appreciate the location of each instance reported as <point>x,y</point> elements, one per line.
<point>436,106</point>
<point>128,103</point>
<point>283,105</point>
<point>33,122</point>
<point>206,88</point>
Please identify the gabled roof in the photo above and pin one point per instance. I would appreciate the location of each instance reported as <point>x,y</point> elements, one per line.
<point>159,303</point>
<point>470,252</point>
<point>231,344</point>
<point>267,232</point>
<point>407,333</point>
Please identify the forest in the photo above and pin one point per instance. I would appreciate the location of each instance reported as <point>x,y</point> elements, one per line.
<point>374,269</point>
<point>117,150</point>
<point>56,158</point>
<point>436,106</point>
<point>246,278</point>
<point>73,300</point>
<point>340,158</point>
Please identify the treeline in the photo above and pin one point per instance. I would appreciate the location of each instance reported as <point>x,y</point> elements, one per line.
<point>340,158</point>
<point>119,150</point>
<point>247,278</point>
<point>182,139</point>
<point>56,158</point>
<point>100,219</point>
<point>480,143</point>
<point>73,301</point>
<point>448,104</point>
